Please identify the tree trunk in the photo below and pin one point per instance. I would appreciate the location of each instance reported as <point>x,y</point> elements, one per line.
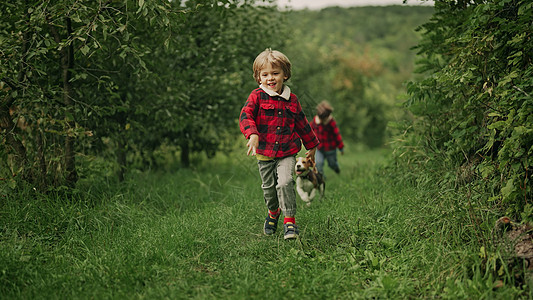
<point>67,63</point>
<point>41,177</point>
<point>121,159</point>
<point>185,160</point>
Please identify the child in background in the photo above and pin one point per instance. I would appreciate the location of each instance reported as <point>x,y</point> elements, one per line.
<point>273,122</point>
<point>330,138</point>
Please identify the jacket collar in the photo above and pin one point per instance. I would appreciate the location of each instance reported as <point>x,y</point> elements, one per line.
<point>317,120</point>
<point>286,94</point>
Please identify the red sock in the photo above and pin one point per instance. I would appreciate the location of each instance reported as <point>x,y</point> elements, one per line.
<point>274,214</point>
<point>289,220</point>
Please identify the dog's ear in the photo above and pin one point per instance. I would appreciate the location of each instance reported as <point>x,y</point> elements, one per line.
<point>312,163</point>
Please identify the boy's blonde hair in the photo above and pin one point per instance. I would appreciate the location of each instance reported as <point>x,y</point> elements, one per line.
<point>275,59</point>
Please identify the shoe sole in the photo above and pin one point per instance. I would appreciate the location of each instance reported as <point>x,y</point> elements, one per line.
<point>291,236</point>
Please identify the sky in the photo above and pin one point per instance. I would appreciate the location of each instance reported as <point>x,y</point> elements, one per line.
<point>319,4</point>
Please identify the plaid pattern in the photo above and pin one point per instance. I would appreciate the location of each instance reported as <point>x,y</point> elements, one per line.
<point>279,123</point>
<point>328,134</point>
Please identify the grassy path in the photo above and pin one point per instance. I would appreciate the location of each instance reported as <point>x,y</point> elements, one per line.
<point>197,234</point>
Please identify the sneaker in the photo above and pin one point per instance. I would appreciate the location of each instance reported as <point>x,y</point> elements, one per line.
<point>271,225</point>
<point>291,231</point>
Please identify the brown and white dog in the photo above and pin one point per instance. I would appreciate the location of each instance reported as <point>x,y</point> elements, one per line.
<point>308,180</point>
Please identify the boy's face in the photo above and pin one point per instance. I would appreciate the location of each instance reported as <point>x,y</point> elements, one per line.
<point>272,78</point>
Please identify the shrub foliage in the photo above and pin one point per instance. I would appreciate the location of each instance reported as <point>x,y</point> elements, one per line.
<point>473,109</point>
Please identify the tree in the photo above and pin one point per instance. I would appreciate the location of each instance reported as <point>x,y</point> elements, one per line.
<point>212,69</point>
<point>42,43</point>
<point>116,80</point>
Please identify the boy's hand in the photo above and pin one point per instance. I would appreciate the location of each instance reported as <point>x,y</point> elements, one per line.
<point>253,143</point>
<point>311,154</point>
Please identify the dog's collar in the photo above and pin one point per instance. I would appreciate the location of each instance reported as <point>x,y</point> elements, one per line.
<point>305,175</point>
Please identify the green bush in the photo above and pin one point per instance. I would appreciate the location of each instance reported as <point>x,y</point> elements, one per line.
<point>473,108</point>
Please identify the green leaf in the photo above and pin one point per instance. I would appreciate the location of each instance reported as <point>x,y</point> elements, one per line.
<point>85,49</point>
<point>69,117</point>
<point>499,125</point>
<point>12,183</point>
<point>76,18</point>
<point>508,188</point>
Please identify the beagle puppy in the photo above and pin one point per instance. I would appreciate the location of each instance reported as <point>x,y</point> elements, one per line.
<point>308,180</point>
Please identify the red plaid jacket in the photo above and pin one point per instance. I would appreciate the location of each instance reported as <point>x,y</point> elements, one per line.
<point>328,134</point>
<point>279,123</point>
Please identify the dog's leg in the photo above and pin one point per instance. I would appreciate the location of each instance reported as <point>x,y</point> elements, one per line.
<point>302,194</point>
<point>312,195</point>
<point>307,200</point>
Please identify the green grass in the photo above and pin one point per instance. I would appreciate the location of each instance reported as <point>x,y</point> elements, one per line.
<point>197,234</point>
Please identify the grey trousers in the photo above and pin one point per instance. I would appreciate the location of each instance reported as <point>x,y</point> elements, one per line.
<point>278,184</point>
